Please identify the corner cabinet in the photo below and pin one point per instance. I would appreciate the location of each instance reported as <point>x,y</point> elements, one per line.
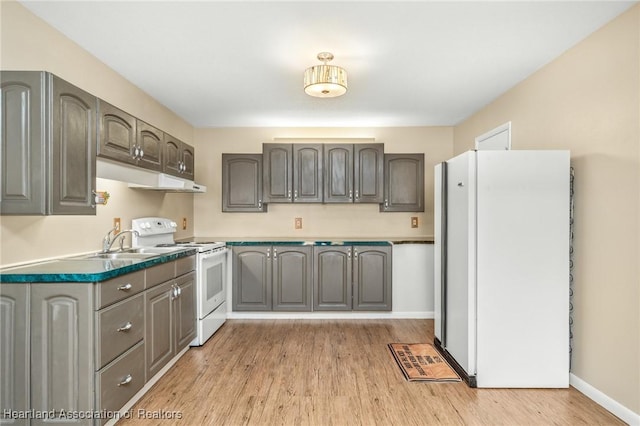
<point>352,278</point>
<point>403,183</point>
<point>353,173</point>
<point>242,183</point>
<point>274,278</point>
<point>48,137</point>
<point>293,173</point>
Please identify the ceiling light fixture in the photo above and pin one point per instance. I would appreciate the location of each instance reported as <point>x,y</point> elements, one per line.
<point>325,81</point>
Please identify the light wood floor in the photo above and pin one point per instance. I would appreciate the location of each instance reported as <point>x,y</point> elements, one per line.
<point>334,372</point>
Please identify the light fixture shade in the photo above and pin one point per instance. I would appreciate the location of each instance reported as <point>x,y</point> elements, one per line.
<point>325,81</point>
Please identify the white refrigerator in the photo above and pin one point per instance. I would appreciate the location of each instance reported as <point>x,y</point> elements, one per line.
<point>502,267</point>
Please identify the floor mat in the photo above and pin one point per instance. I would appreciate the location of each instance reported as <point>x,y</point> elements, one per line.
<point>422,362</point>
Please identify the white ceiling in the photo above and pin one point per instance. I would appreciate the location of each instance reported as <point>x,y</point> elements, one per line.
<point>240,64</point>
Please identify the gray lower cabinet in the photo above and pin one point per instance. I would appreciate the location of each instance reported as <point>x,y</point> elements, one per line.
<point>14,352</point>
<point>274,278</point>
<point>62,368</point>
<point>403,183</point>
<point>74,348</point>
<point>48,136</point>
<point>352,278</point>
<point>353,173</point>
<point>292,173</point>
<point>170,321</point>
<point>242,183</point>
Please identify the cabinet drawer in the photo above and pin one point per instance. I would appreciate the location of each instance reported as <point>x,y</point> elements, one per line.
<point>118,327</point>
<point>111,291</point>
<point>160,273</point>
<point>121,380</point>
<point>185,265</point>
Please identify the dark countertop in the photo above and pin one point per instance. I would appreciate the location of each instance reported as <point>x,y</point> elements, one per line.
<point>72,269</point>
<point>313,241</point>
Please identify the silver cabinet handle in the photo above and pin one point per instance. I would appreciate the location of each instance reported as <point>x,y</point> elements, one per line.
<point>259,204</point>
<point>275,253</point>
<point>295,194</point>
<point>125,287</point>
<point>349,253</point>
<point>350,194</point>
<point>355,253</point>
<point>386,204</point>
<point>357,195</point>
<point>179,290</point>
<point>136,151</point>
<point>268,253</point>
<point>125,327</point>
<point>289,194</point>
<point>126,380</point>
<point>141,153</point>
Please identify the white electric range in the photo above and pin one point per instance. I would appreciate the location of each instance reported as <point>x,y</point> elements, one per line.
<point>211,274</point>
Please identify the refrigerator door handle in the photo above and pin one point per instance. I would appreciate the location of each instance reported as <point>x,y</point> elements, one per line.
<point>443,255</point>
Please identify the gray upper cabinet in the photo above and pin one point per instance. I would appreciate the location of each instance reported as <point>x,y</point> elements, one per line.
<point>23,129</point>
<point>117,138</point>
<point>242,183</point>
<point>151,143</point>
<point>293,173</point>
<point>178,158</point>
<point>48,136</point>
<point>403,183</point>
<point>353,173</point>
<point>14,351</point>
<point>73,149</point>
<point>371,278</point>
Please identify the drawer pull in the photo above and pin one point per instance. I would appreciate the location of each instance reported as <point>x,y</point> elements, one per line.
<point>126,380</point>
<point>125,287</point>
<point>125,327</point>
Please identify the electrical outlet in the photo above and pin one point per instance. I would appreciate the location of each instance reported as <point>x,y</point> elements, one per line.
<point>116,224</point>
<point>414,222</point>
<point>184,223</point>
<point>298,223</point>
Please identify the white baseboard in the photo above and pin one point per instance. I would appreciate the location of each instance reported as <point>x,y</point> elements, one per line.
<point>330,315</point>
<point>613,406</point>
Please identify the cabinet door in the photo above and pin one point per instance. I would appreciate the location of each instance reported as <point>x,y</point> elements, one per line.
<point>188,161</point>
<point>151,143</point>
<point>307,173</point>
<point>242,183</point>
<point>172,156</point>
<point>252,278</point>
<point>332,278</point>
<point>159,328</point>
<point>338,173</point>
<point>73,149</point>
<point>185,311</point>
<point>403,183</point>
<point>368,173</point>
<point>278,172</point>
<point>22,134</point>
<point>14,350</point>
<point>62,369</point>
<point>292,277</point>
<point>117,139</point>
<point>371,278</point>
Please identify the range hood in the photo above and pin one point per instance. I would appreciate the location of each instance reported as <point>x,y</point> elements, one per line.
<point>145,179</point>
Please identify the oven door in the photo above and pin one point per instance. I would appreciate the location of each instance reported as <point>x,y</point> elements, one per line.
<point>212,277</point>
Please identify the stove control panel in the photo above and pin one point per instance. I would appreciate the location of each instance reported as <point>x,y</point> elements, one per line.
<point>154,226</point>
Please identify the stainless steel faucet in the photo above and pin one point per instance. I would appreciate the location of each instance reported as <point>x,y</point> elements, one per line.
<point>120,236</point>
<point>106,241</point>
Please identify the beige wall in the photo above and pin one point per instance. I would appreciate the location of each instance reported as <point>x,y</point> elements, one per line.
<point>588,101</point>
<point>319,220</point>
<point>27,43</point>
